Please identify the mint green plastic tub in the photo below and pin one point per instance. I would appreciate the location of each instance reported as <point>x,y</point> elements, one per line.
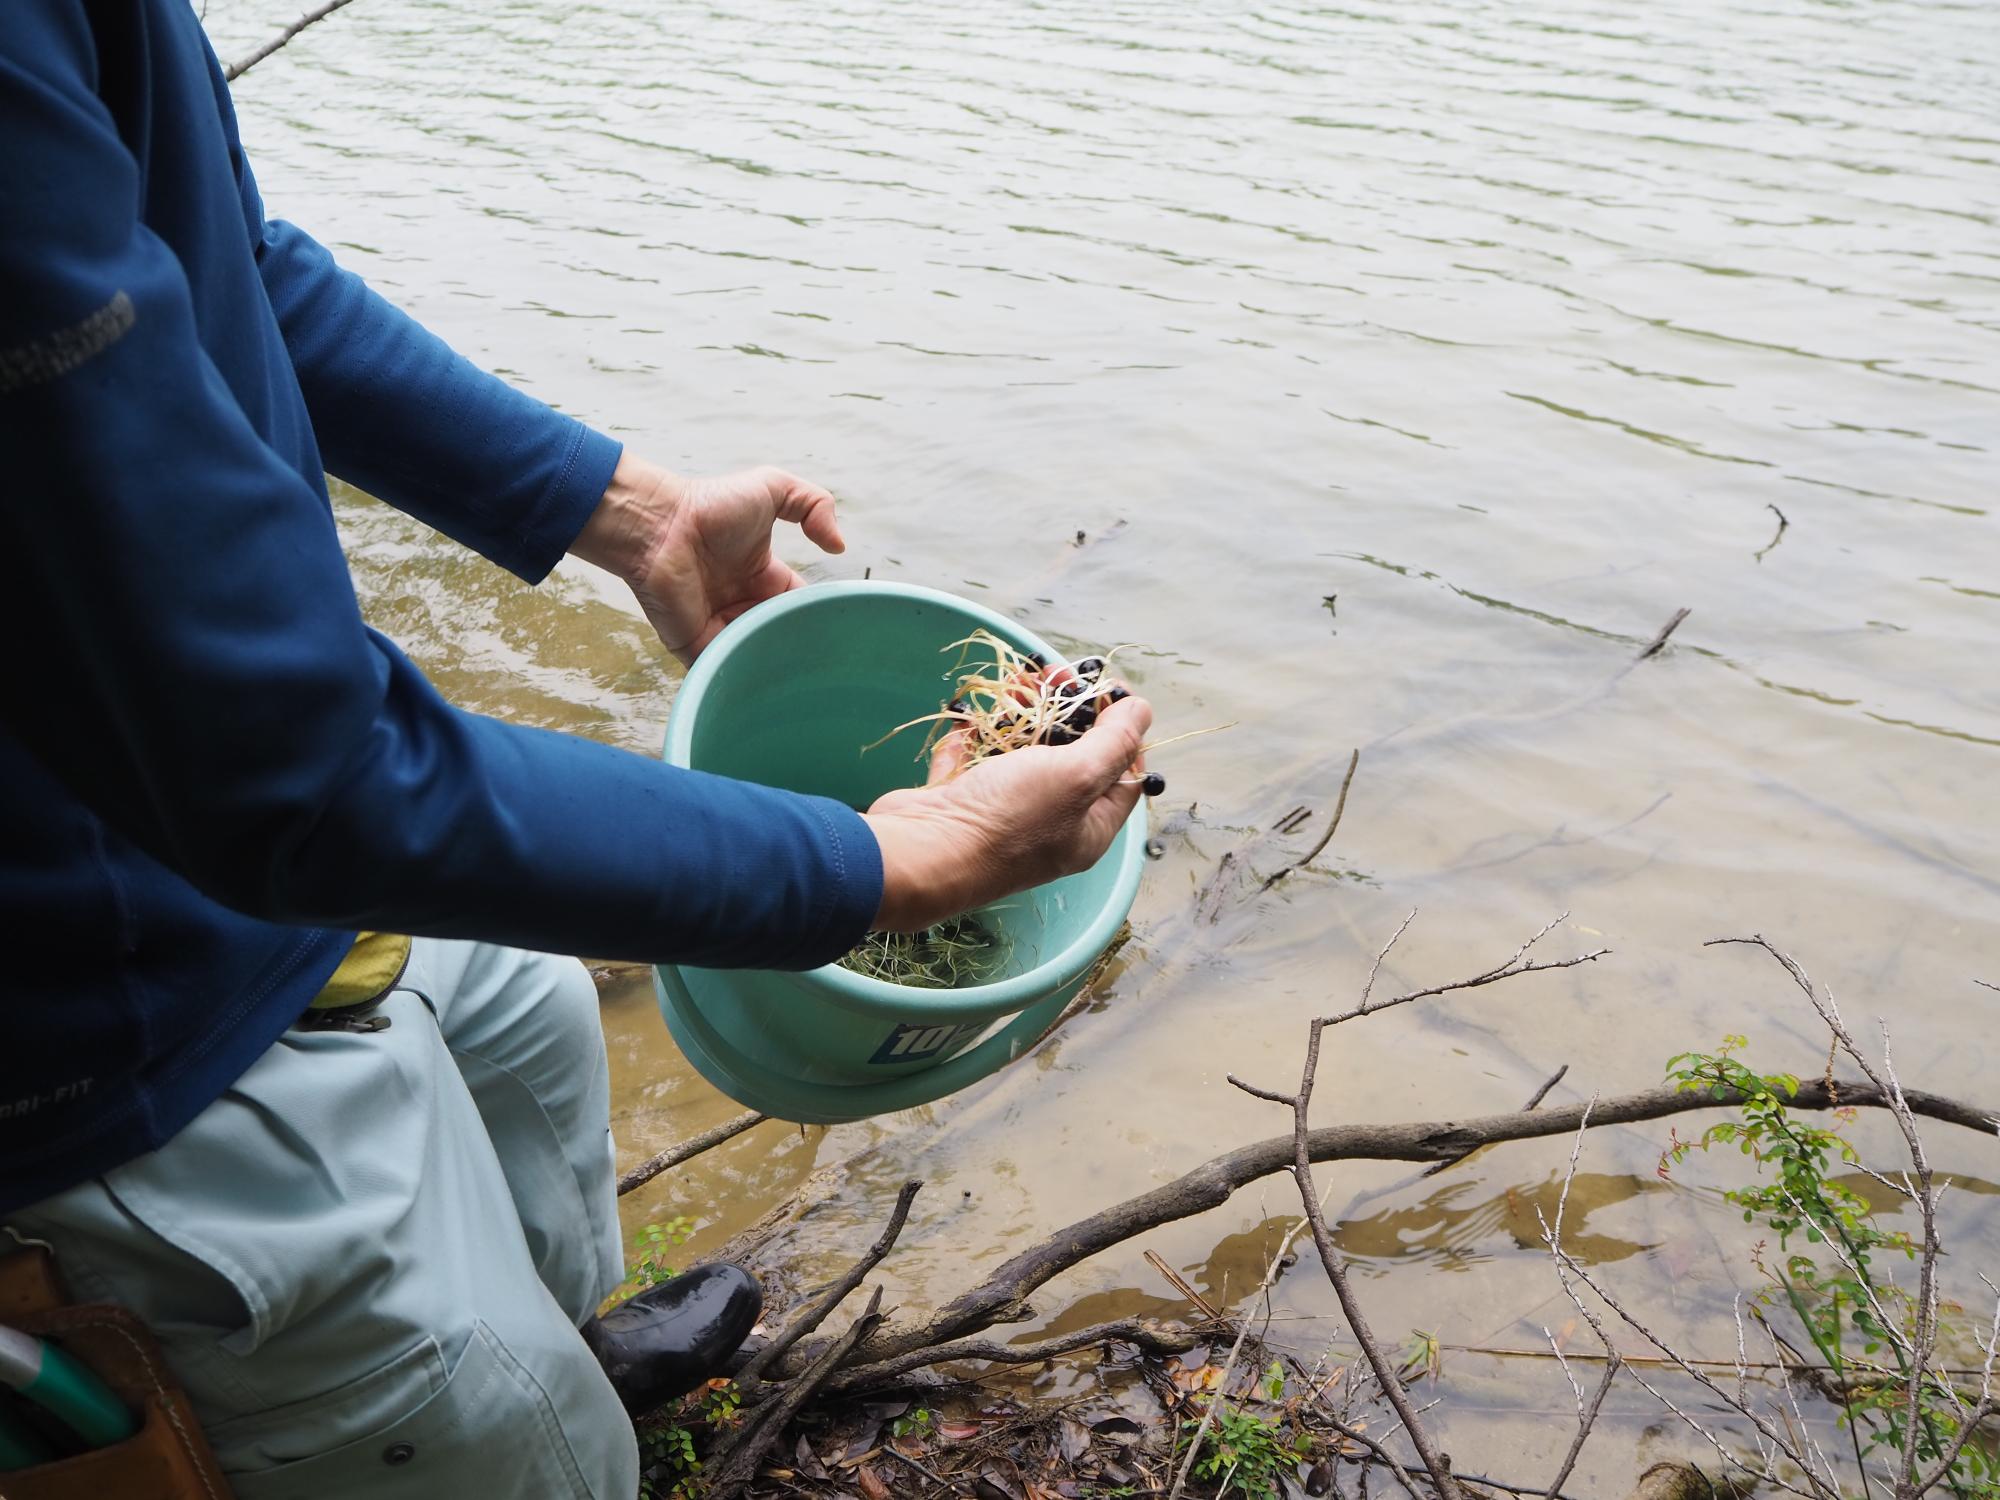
<point>787,696</point>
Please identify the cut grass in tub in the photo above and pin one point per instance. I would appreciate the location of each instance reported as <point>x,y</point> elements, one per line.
<point>951,955</point>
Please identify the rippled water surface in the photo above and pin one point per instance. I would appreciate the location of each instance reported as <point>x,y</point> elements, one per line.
<point>1391,373</point>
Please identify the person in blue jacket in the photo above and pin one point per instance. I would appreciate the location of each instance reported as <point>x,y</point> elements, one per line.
<point>285,1064</point>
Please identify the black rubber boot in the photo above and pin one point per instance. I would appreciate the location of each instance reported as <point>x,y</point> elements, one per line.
<point>671,1337</point>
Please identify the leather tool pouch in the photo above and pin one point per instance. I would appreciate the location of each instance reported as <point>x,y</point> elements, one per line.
<point>168,1459</point>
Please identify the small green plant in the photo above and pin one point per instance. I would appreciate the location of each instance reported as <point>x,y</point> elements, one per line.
<point>669,1466</point>
<point>1245,1452</point>
<point>722,1404</point>
<point>916,1422</point>
<point>649,1263</point>
<point>1859,1321</point>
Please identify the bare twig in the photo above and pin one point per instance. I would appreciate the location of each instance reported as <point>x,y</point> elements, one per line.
<point>1326,838</point>
<point>1435,1462</point>
<point>1586,1412</point>
<point>1514,966</point>
<point>1180,1284</point>
<point>1665,630</point>
<point>1278,1260</point>
<point>834,1295</point>
<point>1918,1349</point>
<point>673,1156</point>
<point>318,13</point>
<point>1534,1102</point>
<point>736,1465</point>
<point>1777,536</point>
<point>1535,1099</point>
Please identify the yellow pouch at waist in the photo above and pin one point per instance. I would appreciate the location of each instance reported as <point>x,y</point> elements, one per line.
<point>370,971</point>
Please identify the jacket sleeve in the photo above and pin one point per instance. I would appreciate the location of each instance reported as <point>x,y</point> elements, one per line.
<point>186,651</point>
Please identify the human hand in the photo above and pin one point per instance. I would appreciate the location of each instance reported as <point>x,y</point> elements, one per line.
<point>697,551</point>
<point>1014,821</point>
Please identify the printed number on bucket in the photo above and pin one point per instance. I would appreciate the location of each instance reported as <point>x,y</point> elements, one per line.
<point>913,1043</point>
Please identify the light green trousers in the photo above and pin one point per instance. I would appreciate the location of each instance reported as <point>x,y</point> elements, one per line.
<point>368,1260</point>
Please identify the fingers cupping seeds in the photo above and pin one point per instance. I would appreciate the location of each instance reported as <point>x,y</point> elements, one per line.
<point>1114,742</point>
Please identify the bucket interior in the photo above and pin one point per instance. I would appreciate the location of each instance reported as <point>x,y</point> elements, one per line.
<point>803,694</point>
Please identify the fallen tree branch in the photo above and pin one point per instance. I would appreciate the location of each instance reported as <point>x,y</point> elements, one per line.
<point>1151,1338</point>
<point>1000,1297</point>
<point>673,1156</point>
<point>319,13</point>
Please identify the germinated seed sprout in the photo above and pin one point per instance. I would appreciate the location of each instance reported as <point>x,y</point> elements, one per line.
<point>1008,702</point>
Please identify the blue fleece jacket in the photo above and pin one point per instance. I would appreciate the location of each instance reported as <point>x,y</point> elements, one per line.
<point>211,772</point>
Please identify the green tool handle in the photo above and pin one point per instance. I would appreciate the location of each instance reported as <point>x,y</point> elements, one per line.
<point>21,1447</point>
<point>61,1386</point>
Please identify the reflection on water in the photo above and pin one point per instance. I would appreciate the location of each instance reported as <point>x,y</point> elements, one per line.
<point>1391,372</point>
<point>1459,1225</point>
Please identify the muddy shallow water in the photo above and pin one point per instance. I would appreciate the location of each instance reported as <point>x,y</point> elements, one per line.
<point>1391,374</point>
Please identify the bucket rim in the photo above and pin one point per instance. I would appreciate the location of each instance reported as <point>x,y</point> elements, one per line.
<point>878,997</point>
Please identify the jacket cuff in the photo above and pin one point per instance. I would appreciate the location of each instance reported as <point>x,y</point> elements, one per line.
<point>572,495</point>
<point>850,893</point>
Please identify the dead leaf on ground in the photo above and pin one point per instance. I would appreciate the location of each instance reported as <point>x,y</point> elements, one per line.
<point>1072,1439</point>
<point>871,1486</point>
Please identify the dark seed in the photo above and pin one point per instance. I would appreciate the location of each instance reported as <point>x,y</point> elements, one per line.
<point>1090,666</point>
<point>1039,660</point>
<point>1061,734</point>
<point>1155,849</point>
<point>1154,784</point>
<point>1083,719</point>
<point>956,706</point>
<point>1070,687</point>
<point>1117,695</point>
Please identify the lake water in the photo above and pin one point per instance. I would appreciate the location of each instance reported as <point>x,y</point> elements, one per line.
<point>1391,374</point>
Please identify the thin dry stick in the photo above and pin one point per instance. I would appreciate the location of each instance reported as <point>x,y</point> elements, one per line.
<point>734,1469</point>
<point>1777,536</point>
<point>1180,1284</point>
<point>1534,1102</point>
<point>237,69</point>
<point>673,1156</point>
<point>1822,1486</point>
<point>1271,1270</point>
<point>1336,1270</point>
<point>1665,630</point>
<point>1438,1465</point>
<point>1922,1347</point>
<point>1326,838</point>
<point>1511,968</point>
<point>1586,1414</point>
<point>834,1295</point>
